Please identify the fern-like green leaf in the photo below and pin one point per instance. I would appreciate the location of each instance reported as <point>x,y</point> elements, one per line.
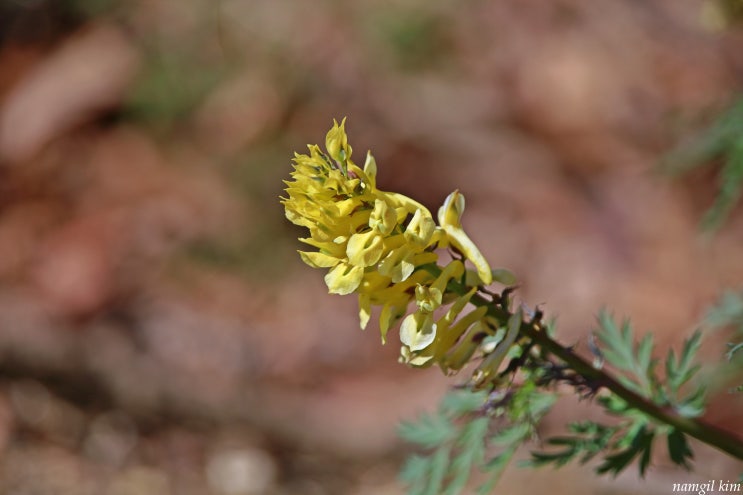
<point>640,444</point>
<point>430,431</point>
<point>511,435</point>
<point>462,402</point>
<point>620,351</point>
<point>439,469</point>
<point>632,439</point>
<point>723,140</point>
<point>678,449</point>
<point>727,311</point>
<point>587,439</point>
<point>472,454</point>
<point>459,437</point>
<point>415,473</point>
<point>494,468</point>
<point>731,179</point>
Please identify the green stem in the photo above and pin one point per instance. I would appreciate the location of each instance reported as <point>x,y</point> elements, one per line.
<point>711,435</point>
<point>698,429</point>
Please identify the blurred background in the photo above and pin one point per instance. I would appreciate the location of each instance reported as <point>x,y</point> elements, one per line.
<point>158,332</point>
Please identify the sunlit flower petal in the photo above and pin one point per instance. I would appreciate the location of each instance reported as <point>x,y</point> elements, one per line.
<point>318,260</point>
<point>383,218</point>
<point>427,298</point>
<point>364,309</point>
<point>420,229</point>
<point>450,215</point>
<point>370,169</point>
<point>364,249</point>
<point>344,278</point>
<point>336,142</point>
<point>418,330</point>
<point>397,265</point>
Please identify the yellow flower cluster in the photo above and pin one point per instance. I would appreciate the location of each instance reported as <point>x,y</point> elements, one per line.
<point>382,245</point>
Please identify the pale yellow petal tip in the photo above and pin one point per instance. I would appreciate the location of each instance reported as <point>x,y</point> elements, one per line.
<point>420,229</point>
<point>336,141</point>
<point>383,218</point>
<point>459,239</point>
<point>450,220</point>
<point>415,359</point>
<point>318,260</point>
<point>365,249</point>
<point>364,319</point>
<point>418,331</point>
<point>370,169</point>
<point>343,278</point>
<point>484,271</point>
<point>428,298</point>
<point>450,213</point>
<point>364,310</point>
<point>397,265</point>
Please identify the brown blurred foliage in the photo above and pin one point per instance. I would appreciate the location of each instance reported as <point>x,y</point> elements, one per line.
<point>158,334</point>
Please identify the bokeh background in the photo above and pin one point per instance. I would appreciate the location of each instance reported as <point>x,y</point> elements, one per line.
<point>158,333</point>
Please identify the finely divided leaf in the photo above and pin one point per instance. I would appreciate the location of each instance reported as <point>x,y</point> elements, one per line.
<point>463,401</point>
<point>430,431</point>
<point>678,449</point>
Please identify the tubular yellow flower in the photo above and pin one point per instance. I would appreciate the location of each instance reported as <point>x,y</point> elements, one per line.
<point>418,330</point>
<point>344,278</point>
<point>383,218</point>
<point>450,215</point>
<point>336,142</point>
<point>492,361</point>
<point>427,298</point>
<point>382,246</point>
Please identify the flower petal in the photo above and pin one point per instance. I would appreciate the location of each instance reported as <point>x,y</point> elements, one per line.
<point>336,142</point>
<point>451,211</point>
<point>414,358</point>
<point>420,229</point>
<point>417,331</point>
<point>318,260</point>
<point>490,364</point>
<point>365,249</point>
<point>464,244</point>
<point>427,298</point>
<point>370,169</point>
<point>364,309</point>
<point>344,278</point>
<point>383,218</point>
<point>397,265</point>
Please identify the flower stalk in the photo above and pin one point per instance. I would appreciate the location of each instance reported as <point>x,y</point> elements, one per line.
<point>702,431</point>
<point>386,248</point>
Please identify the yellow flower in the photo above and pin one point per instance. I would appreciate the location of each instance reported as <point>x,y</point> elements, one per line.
<point>344,278</point>
<point>427,298</point>
<point>383,217</point>
<point>336,142</point>
<point>450,216</point>
<point>382,246</point>
<point>418,330</point>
